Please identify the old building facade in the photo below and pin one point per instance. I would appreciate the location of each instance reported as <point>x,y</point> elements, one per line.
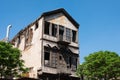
<point>49,46</point>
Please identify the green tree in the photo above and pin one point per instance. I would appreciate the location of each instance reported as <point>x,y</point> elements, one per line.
<point>102,65</point>
<point>11,64</point>
<point>80,71</point>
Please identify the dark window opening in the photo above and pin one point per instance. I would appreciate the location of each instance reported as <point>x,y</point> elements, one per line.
<point>68,34</point>
<point>60,57</point>
<point>46,28</point>
<point>36,25</point>
<point>46,56</point>
<point>73,36</point>
<point>70,62</point>
<point>76,63</point>
<point>67,59</point>
<point>54,30</point>
<point>61,32</point>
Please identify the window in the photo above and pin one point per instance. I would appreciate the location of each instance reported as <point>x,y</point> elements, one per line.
<point>18,41</point>
<point>67,61</point>
<point>61,32</point>
<point>73,36</point>
<point>54,30</point>
<point>46,28</point>
<point>26,43</point>
<point>54,59</point>
<point>46,56</point>
<point>60,57</point>
<point>74,66</point>
<point>76,63</point>
<point>36,25</point>
<point>70,62</point>
<point>68,34</point>
<point>28,37</point>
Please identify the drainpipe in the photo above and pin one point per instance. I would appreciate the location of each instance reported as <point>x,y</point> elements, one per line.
<point>7,33</point>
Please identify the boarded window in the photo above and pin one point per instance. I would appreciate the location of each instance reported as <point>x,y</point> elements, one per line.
<point>74,64</point>
<point>46,28</point>
<point>54,59</point>
<point>61,32</point>
<point>46,56</point>
<point>73,36</point>
<point>18,41</point>
<point>28,37</point>
<point>68,34</point>
<point>54,30</point>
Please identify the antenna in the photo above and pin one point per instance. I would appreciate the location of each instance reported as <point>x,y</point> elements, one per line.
<point>7,33</point>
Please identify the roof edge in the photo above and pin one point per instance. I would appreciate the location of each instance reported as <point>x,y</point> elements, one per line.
<point>64,12</point>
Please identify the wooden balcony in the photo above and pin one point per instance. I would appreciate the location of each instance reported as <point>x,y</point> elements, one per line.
<point>63,39</point>
<point>62,70</point>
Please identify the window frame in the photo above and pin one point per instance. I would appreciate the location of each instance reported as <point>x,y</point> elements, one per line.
<point>46,61</point>
<point>47,28</point>
<point>74,36</point>
<point>54,30</point>
<point>68,34</point>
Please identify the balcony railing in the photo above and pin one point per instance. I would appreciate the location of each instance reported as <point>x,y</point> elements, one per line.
<point>64,39</point>
<point>47,63</point>
<point>62,70</point>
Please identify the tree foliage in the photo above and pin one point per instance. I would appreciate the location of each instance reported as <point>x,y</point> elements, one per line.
<point>11,64</point>
<point>101,65</point>
<point>80,71</point>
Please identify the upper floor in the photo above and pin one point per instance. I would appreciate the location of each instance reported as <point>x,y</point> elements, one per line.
<point>60,27</point>
<point>56,26</point>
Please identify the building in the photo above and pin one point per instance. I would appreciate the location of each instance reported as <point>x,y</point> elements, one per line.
<point>49,46</point>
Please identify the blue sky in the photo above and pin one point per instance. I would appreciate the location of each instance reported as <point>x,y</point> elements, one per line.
<point>99,20</point>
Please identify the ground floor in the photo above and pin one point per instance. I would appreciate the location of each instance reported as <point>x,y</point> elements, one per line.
<point>46,76</point>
